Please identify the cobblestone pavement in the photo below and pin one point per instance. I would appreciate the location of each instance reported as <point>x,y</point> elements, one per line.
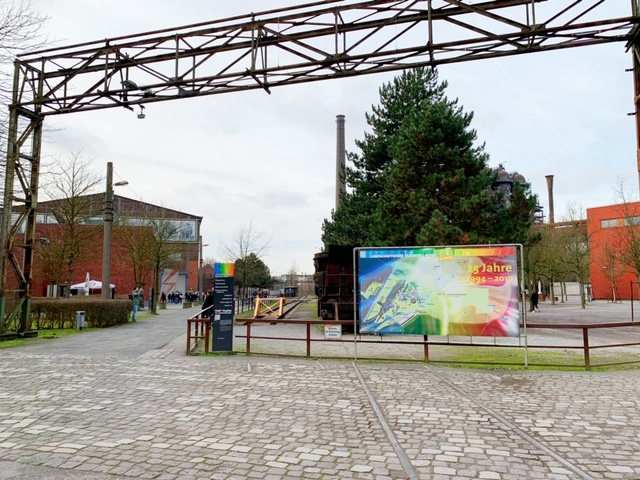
<point>104,410</point>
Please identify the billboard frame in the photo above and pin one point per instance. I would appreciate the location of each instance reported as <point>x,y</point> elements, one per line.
<point>522,336</point>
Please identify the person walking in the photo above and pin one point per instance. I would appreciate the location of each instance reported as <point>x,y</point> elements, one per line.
<point>135,296</point>
<point>207,306</point>
<point>534,301</point>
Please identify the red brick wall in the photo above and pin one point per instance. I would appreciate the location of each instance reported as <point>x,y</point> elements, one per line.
<point>207,277</point>
<point>121,269</point>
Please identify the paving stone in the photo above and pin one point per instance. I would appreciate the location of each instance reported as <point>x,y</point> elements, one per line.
<point>169,416</point>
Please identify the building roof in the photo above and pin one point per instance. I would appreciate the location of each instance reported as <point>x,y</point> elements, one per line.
<point>122,206</point>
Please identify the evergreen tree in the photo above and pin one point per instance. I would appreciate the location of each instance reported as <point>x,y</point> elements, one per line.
<point>419,179</point>
<point>251,272</point>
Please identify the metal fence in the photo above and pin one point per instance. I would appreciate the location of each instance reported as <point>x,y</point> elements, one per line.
<point>245,304</point>
<point>582,342</point>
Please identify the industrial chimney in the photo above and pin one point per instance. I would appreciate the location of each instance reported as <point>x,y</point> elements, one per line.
<point>550,190</point>
<point>340,159</point>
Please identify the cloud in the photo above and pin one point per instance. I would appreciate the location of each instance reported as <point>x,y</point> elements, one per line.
<point>234,157</point>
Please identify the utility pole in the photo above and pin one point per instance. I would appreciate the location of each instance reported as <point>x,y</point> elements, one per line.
<point>106,242</point>
<point>108,221</point>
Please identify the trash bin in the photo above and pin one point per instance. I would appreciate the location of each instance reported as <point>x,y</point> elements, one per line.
<point>80,319</point>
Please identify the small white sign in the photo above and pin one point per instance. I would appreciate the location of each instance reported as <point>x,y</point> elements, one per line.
<point>333,332</point>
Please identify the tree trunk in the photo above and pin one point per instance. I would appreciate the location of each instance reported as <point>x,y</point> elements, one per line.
<point>67,290</point>
<point>156,283</point>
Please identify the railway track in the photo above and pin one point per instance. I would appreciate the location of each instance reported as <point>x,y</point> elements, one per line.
<point>291,307</point>
<point>279,308</point>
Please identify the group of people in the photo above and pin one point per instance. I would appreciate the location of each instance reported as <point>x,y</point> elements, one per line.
<point>137,296</point>
<point>178,297</point>
<point>173,297</point>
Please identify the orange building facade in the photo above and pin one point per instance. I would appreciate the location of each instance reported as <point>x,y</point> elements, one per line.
<point>609,232</point>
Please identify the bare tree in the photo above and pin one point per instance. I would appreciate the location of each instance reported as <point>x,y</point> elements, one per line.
<point>137,249</point>
<point>163,252</point>
<point>209,261</point>
<point>72,205</point>
<point>20,31</point>
<point>293,275</point>
<point>543,258</point>
<point>150,246</point>
<point>245,241</point>
<point>627,238</point>
<point>575,248</point>
<point>246,244</point>
<point>51,253</point>
<point>610,264</point>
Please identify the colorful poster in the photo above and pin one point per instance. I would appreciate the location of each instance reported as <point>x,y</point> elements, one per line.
<point>439,291</point>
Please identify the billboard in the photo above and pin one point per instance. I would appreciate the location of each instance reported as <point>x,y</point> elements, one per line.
<point>439,290</point>
<point>179,230</point>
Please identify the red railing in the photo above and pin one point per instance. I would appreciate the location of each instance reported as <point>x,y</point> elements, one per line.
<point>198,329</point>
<point>586,346</point>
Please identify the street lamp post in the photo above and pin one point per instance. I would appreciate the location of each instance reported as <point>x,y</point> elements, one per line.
<point>200,262</point>
<point>106,242</point>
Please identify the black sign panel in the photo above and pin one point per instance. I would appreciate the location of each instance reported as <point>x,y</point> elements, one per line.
<point>222,318</point>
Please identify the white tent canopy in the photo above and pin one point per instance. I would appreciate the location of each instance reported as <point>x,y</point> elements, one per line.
<point>92,284</point>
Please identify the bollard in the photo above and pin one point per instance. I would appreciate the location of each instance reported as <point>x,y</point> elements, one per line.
<point>80,314</point>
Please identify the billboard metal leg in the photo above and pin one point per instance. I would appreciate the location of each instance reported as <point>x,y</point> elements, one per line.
<point>426,349</point>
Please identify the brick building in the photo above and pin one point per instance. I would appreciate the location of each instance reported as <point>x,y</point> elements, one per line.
<point>128,214</point>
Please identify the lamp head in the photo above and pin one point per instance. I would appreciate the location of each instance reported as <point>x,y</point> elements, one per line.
<point>129,84</point>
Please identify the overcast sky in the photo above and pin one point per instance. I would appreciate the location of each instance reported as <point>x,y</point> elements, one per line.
<point>270,159</point>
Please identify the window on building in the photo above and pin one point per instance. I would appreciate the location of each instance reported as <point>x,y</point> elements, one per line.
<point>608,223</point>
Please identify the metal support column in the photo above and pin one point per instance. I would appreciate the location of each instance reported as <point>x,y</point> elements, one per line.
<point>5,237</point>
<point>22,171</point>
<point>31,204</point>
<point>635,52</point>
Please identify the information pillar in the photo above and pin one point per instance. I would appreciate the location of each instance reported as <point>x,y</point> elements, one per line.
<point>223,307</point>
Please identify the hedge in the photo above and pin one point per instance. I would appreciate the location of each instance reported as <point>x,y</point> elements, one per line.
<point>47,313</point>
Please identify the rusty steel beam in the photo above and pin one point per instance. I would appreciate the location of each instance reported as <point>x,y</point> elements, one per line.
<point>315,41</point>
<point>311,42</point>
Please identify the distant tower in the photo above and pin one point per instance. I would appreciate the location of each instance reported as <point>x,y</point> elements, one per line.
<point>550,190</point>
<point>341,186</point>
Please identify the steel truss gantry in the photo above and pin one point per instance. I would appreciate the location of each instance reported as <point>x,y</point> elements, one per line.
<point>310,42</point>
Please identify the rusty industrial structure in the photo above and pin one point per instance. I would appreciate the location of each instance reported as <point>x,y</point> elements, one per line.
<point>311,42</point>
<point>341,154</point>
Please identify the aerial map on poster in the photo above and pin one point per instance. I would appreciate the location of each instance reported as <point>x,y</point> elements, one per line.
<point>439,291</point>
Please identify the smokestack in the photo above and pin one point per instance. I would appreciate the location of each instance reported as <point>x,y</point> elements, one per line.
<point>550,190</point>
<point>341,187</point>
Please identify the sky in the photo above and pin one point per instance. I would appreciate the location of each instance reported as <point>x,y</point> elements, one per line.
<point>268,161</point>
